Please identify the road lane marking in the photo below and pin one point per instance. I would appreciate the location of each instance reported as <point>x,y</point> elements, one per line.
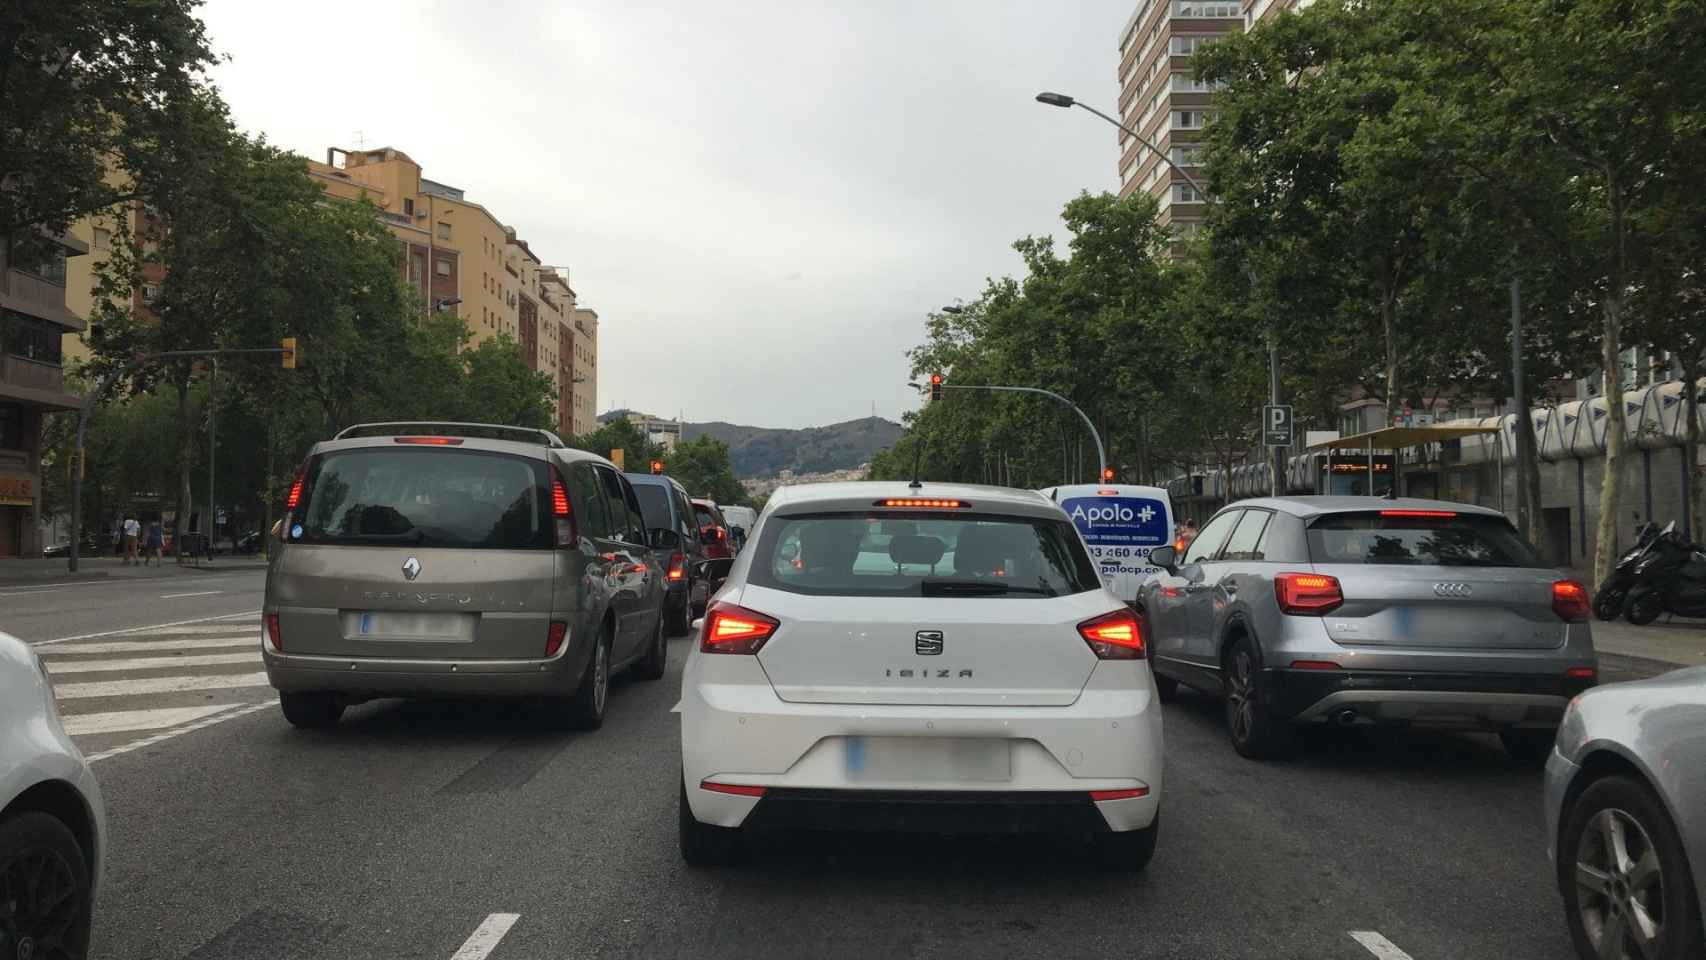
<point>170,734</point>
<point>157,626</point>
<point>129,581</point>
<point>26,593</point>
<point>1378,945</point>
<point>143,646</point>
<point>198,593</point>
<point>486,937</point>
<point>124,721</point>
<point>152,685</point>
<point>57,667</point>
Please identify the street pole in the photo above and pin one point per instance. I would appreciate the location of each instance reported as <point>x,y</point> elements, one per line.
<point>1522,506</point>
<point>1278,463</point>
<point>1101,452</point>
<point>212,436</point>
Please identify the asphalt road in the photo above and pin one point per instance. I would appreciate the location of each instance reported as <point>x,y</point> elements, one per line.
<point>466,831</point>
<point>50,610</point>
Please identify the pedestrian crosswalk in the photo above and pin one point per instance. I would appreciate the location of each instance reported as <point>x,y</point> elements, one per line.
<point>118,692</point>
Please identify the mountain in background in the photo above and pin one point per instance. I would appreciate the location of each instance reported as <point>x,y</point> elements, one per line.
<point>766,451</point>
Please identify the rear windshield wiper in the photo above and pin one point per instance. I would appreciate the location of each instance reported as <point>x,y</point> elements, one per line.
<point>976,588</point>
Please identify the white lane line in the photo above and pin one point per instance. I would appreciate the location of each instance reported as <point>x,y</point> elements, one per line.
<point>25,593</point>
<point>168,735</point>
<point>1379,945</point>
<point>157,626</point>
<point>152,685</point>
<point>57,667</point>
<point>122,721</point>
<point>145,646</point>
<point>124,582</point>
<point>198,593</point>
<point>486,937</point>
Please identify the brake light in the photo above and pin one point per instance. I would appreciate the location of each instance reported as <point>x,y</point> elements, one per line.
<point>1307,594</point>
<point>430,441</point>
<point>1114,636</point>
<point>1570,601</point>
<point>735,629</point>
<point>735,789</point>
<point>565,520</point>
<point>721,533</point>
<point>677,566</point>
<point>926,504</point>
<point>1100,795</point>
<point>295,496</point>
<point>1582,673</point>
<point>274,634</point>
<point>1106,492</point>
<point>1419,513</point>
<point>555,636</point>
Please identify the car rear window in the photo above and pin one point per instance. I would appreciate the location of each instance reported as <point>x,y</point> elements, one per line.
<point>654,506</point>
<point>1419,538</point>
<point>707,516</point>
<point>431,498</point>
<point>926,554</point>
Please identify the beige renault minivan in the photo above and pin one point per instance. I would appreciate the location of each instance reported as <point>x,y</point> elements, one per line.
<point>460,560</point>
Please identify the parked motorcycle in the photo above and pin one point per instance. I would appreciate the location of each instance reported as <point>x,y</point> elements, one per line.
<point>1608,600</point>
<point>1669,578</point>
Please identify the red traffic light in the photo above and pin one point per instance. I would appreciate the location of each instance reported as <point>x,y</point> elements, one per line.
<point>935,386</point>
<point>1107,474</point>
<point>657,466</point>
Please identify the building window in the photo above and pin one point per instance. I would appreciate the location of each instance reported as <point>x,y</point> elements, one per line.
<point>1185,193</point>
<point>417,267</point>
<point>103,238</point>
<point>409,206</point>
<point>1204,8</point>
<point>441,267</point>
<point>443,230</point>
<point>12,426</point>
<point>1184,46</point>
<point>1191,119</point>
<point>32,339</point>
<point>150,292</point>
<point>40,258</point>
<point>1185,83</point>
<point>1187,156</point>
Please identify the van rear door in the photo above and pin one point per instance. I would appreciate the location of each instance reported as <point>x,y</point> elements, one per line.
<point>1120,524</point>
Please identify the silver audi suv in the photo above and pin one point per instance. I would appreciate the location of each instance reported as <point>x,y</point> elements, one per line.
<point>1360,610</point>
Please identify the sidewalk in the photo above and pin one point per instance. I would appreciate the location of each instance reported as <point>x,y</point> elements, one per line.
<point>14,572</point>
<point>1682,642</point>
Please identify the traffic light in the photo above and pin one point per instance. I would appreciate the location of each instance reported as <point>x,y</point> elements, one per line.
<point>287,360</point>
<point>1107,474</point>
<point>657,466</point>
<point>935,387</point>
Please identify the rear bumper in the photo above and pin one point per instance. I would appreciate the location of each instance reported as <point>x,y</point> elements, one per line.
<point>912,811</point>
<point>1488,700</point>
<point>362,677</point>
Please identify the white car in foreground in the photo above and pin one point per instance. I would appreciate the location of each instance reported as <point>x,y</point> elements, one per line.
<point>52,822</point>
<point>940,658</point>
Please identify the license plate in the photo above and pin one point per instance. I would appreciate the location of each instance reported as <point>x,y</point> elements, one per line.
<point>928,759</point>
<point>394,625</point>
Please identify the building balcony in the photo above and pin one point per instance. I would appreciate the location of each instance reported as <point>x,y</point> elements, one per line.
<point>34,382</point>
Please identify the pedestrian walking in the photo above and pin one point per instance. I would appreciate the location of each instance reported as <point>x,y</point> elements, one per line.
<point>132,531</point>
<point>155,545</point>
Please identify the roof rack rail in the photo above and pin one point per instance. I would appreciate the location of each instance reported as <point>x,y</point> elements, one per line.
<point>490,431</point>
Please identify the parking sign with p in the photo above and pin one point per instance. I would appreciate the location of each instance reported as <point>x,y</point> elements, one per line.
<point>1277,425</point>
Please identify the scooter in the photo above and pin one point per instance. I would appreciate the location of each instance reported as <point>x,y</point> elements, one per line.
<point>1608,600</point>
<point>1670,578</point>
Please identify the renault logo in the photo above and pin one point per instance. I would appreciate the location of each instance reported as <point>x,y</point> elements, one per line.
<point>928,643</point>
<point>1453,589</point>
<point>411,568</point>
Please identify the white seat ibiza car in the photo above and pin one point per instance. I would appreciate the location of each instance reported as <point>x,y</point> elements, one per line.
<point>940,658</point>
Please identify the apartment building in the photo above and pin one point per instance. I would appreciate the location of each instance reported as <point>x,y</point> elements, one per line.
<point>584,372</point>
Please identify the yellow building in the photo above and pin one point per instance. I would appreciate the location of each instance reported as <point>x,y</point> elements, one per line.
<point>584,402</point>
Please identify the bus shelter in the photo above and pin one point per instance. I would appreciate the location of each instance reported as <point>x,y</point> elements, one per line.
<point>1358,452</point>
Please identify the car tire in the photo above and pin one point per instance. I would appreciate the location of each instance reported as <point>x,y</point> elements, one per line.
<point>651,666</point>
<point>1255,732</point>
<point>1166,688</point>
<point>1527,747</point>
<point>1608,602</point>
<point>1586,861</point>
<point>1127,852</point>
<point>585,709</point>
<point>52,903</point>
<point>312,710</point>
<point>1642,607</point>
<point>705,844</point>
<point>681,617</point>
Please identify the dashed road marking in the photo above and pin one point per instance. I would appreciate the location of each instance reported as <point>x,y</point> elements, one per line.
<point>198,593</point>
<point>252,639</point>
<point>1378,945</point>
<point>153,685</point>
<point>58,667</point>
<point>128,721</point>
<point>486,937</point>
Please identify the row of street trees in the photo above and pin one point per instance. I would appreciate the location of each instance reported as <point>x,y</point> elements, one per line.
<point>1382,174</point>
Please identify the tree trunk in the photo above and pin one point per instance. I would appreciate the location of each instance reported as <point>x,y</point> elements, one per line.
<point>1691,442</point>
<point>1611,489</point>
<point>1387,311</point>
<point>1529,477</point>
<point>186,451</point>
<point>269,492</point>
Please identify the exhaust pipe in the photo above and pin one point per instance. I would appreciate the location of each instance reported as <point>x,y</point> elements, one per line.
<point>1346,717</point>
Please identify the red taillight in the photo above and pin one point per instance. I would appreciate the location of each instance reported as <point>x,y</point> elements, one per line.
<point>295,496</point>
<point>274,635</point>
<point>1570,601</point>
<point>1114,636</point>
<point>721,533</point>
<point>555,636</point>
<point>1582,673</point>
<point>560,512</point>
<point>1437,514</point>
<point>677,567</point>
<point>1314,665</point>
<point>733,629</point>
<point>736,789</point>
<point>926,504</point>
<point>431,441</point>
<point>1307,594</point>
<point>1101,795</point>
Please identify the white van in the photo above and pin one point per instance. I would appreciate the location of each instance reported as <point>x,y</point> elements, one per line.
<point>1120,523</point>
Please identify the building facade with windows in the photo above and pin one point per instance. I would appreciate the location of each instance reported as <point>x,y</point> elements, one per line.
<point>585,370</point>
<point>34,322</point>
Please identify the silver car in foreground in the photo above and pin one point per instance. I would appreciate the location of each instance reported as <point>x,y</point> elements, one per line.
<point>1361,610</point>
<point>1625,804</point>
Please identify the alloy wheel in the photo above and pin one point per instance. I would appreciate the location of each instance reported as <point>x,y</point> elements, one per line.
<point>1620,887</point>
<point>1240,697</point>
<point>600,677</point>
<point>39,906</point>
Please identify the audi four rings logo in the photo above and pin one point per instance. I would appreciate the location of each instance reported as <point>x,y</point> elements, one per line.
<point>411,568</point>
<point>1453,589</point>
<point>928,643</point>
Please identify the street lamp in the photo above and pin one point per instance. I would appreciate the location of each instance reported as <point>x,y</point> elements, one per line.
<point>443,302</point>
<point>1062,100</point>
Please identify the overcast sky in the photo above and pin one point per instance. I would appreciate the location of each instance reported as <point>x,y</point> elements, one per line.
<point>761,200</point>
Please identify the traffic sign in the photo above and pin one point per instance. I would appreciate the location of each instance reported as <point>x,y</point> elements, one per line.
<point>1277,425</point>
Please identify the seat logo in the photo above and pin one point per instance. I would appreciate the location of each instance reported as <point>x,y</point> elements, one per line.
<point>1453,590</point>
<point>928,643</point>
<point>411,569</point>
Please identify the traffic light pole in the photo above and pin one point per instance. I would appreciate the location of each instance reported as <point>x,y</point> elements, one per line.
<point>1101,452</point>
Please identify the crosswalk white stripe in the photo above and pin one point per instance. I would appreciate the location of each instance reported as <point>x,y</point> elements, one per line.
<point>123,721</point>
<point>1378,945</point>
<point>220,630</point>
<point>155,627</point>
<point>180,731</point>
<point>150,663</point>
<point>486,937</point>
<point>137,646</point>
<point>149,685</point>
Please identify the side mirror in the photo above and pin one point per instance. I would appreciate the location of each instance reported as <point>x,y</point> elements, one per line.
<point>663,538</point>
<point>1165,557</point>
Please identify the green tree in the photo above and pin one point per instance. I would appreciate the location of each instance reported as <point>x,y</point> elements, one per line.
<point>620,434</point>
<point>502,388</point>
<point>702,466</point>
